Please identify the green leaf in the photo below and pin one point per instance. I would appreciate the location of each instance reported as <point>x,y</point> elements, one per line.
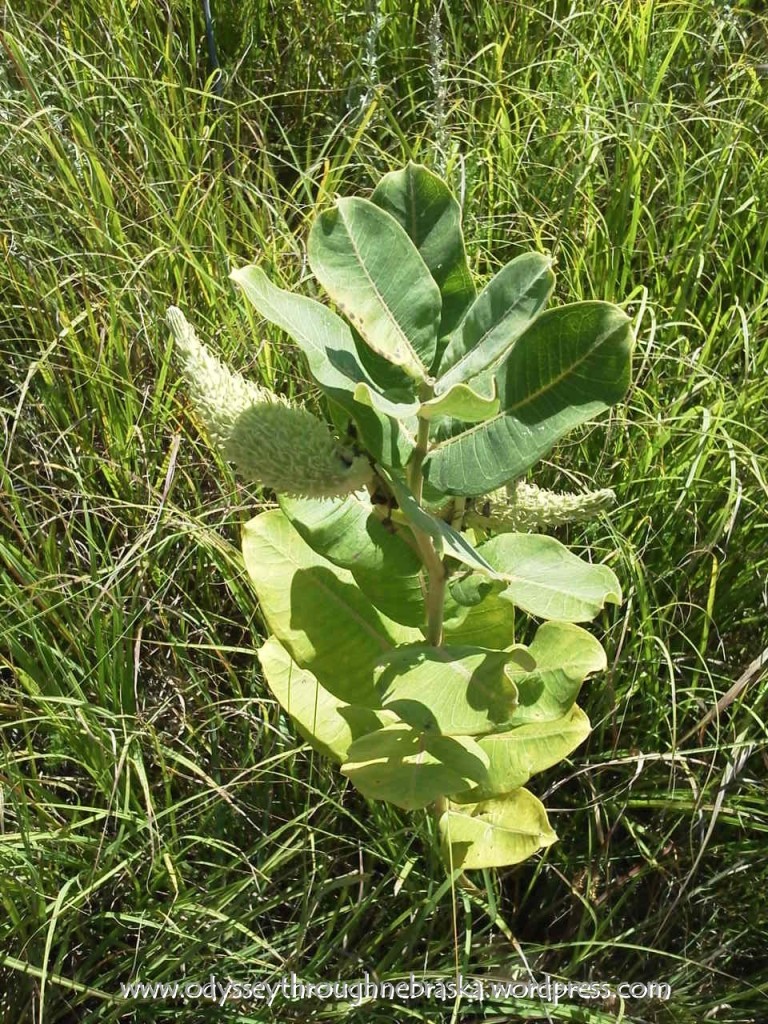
<point>571,364</point>
<point>401,406</point>
<point>348,533</point>
<point>565,655</point>
<point>411,769</point>
<point>424,206</point>
<point>390,379</point>
<point>516,755</point>
<point>325,340</point>
<point>548,581</point>
<point>401,599</point>
<point>385,438</point>
<point>499,315</point>
<point>471,589</point>
<point>372,271</point>
<point>455,691</point>
<point>462,402</point>
<point>341,420</point>
<point>494,833</point>
<point>490,624</point>
<point>330,725</point>
<point>316,610</point>
<point>447,540</point>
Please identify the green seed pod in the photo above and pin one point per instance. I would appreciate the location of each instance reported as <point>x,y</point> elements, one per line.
<point>525,507</point>
<point>271,442</point>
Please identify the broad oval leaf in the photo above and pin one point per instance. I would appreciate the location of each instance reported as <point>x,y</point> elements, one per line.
<point>430,215</point>
<point>347,532</point>
<point>501,312</point>
<point>390,379</point>
<point>411,769</point>
<point>316,611</point>
<point>455,691</point>
<point>372,271</point>
<point>565,655</point>
<point>463,403</point>
<point>494,833</point>
<point>571,364</point>
<point>387,439</point>
<point>401,407</point>
<point>489,624</point>
<point>328,724</point>
<point>472,589</point>
<point>325,340</point>
<point>548,581</point>
<point>515,755</point>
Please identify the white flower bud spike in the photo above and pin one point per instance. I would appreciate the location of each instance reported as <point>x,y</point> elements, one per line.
<point>271,442</point>
<point>524,507</point>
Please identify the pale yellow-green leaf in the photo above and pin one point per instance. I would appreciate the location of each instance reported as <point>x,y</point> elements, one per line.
<point>462,403</point>
<point>455,691</point>
<point>330,725</point>
<point>565,654</point>
<point>412,769</point>
<point>488,624</point>
<point>517,754</point>
<point>494,833</point>
<point>316,610</point>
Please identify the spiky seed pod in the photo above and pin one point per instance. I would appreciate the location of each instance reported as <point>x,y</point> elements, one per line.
<point>271,442</point>
<point>525,507</point>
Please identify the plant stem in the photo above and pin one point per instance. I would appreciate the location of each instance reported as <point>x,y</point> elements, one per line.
<point>435,589</point>
<point>432,562</point>
<point>415,477</point>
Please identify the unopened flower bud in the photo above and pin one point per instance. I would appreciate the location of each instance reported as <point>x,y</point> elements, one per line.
<point>271,442</point>
<point>525,507</point>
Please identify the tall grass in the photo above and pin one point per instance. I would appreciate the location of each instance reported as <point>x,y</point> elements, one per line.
<point>157,817</point>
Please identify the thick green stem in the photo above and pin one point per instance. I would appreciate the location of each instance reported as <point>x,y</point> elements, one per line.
<point>433,564</point>
<point>415,478</point>
<point>435,588</point>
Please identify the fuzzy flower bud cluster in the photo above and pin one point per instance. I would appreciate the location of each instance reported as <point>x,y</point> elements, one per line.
<point>525,507</point>
<point>271,442</point>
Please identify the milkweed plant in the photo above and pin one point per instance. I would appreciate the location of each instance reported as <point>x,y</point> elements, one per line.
<point>405,540</point>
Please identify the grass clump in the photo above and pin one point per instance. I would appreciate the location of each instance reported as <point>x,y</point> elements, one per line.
<point>155,817</point>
